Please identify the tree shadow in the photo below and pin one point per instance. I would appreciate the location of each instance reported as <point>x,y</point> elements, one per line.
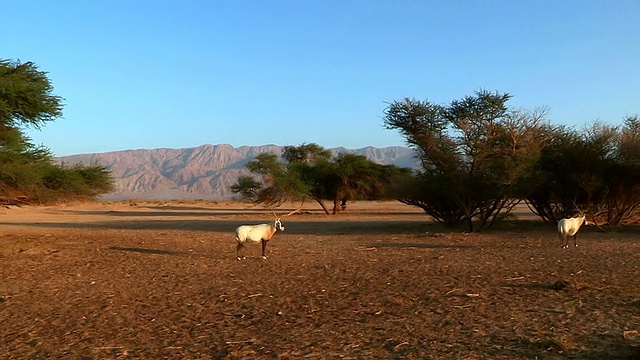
<point>165,213</point>
<point>558,285</point>
<point>418,246</point>
<point>146,251</point>
<point>534,286</point>
<point>557,347</point>
<point>341,227</point>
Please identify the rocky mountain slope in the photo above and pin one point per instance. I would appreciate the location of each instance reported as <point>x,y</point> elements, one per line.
<point>203,172</point>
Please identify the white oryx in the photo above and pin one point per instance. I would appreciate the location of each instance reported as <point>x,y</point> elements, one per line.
<point>255,234</point>
<point>569,227</point>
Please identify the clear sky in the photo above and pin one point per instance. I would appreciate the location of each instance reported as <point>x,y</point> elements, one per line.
<point>141,74</point>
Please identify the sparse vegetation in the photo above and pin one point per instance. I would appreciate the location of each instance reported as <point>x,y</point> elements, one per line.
<point>309,171</point>
<point>475,155</point>
<point>480,158</point>
<point>27,171</point>
<point>597,170</point>
<point>161,281</point>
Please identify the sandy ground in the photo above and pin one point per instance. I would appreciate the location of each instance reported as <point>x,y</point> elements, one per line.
<point>160,280</point>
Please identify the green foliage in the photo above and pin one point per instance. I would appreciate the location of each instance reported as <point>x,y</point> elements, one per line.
<point>26,95</point>
<point>305,153</point>
<point>277,183</point>
<point>309,171</point>
<point>480,158</point>
<point>431,193</point>
<point>27,170</point>
<point>247,187</point>
<point>76,181</point>
<point>473,152</point>
<point>622,178</point>
<point>596,171</point>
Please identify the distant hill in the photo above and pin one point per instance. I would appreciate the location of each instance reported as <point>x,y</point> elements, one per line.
<point>203,172</point>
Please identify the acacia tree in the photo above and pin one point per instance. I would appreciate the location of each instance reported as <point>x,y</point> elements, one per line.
<point>568,173</point>
<point>26,170</point>
<point>351,176</point>
<point>474,153</point>
<point>310,172</point>
<point>595,170</point>
<point>622,199</point>
<point>26,96</point>
<point>296,178</point>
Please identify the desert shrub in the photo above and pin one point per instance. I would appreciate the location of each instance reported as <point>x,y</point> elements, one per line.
<point>596,170</point>
<point>475,154</point>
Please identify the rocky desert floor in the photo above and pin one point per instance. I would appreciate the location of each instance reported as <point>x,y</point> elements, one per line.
<point>160,280</point>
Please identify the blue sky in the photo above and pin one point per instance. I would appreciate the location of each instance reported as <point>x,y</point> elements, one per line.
<point>172,74</point>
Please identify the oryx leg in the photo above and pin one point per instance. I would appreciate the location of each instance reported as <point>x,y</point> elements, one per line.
<point>561,240</point>
<point>240,251</point>
<point>264,249</point>
<point>575,242</point>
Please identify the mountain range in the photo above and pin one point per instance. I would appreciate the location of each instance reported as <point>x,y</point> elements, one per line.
<point>203,172</point>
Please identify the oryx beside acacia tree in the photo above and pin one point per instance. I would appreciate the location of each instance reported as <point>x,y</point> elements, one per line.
<point>569,227</point>
<point>260,233</point>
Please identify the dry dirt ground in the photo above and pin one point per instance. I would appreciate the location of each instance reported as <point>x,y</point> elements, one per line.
<point>161,281</point>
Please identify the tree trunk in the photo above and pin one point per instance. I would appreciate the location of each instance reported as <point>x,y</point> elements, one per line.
<point>469,223</point>
<point>322,205</point>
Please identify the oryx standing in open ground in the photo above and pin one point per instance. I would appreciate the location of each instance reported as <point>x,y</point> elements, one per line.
<point>569,227</point>
<point>259,234</point>
<point>255,234</point>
